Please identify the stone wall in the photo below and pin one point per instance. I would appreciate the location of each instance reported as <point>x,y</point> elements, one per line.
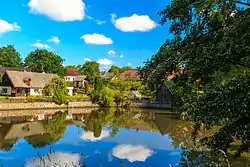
<point>44,105</point>
<point>36,112</point>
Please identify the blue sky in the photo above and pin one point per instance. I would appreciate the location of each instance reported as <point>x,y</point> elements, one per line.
<point>121,32</point>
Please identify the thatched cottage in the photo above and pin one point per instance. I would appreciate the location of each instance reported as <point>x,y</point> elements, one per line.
<point>24,83</point>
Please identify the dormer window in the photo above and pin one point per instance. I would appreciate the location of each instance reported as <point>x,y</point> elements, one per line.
<point>27,81</point>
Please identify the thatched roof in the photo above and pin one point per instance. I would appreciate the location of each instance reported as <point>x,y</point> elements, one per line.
<point>108,75</point>
<point>37,80</point>
<point>130,74</point>
<point>24,130</point>
<point>4,69</point>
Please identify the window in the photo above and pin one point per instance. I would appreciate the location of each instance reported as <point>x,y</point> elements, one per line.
<point>19,90</point>
<point>4,90</point>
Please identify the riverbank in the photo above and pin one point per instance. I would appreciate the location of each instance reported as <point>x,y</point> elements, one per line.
<point>73,104</point>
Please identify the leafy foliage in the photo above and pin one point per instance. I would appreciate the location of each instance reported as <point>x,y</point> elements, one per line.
<point>42,60</point>
<point>209,58</point>
<point>9,57</point>
<point>115,69</point>
<point>126,85</point>
<point>91,70</point>
<point>104,96</point>
<point>58,90</point>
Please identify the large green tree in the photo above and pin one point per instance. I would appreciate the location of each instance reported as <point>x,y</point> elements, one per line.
<point>91,70</point>
<point>209,51</point>
<point>9,57</point>
<point>42,60</point>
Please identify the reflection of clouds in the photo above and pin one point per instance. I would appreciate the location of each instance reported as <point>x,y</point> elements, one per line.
<point>57,158</point>
<point>90,136</point>
<point>132,152</point>
<point>144,138</point>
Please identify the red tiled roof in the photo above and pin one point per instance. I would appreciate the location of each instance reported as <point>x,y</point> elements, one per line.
<point>72,72</point>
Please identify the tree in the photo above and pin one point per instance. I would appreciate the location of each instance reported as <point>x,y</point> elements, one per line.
<point>9,57</point>
<point>91,70</point>
<point>58,90</point>
<point>42,60</point>
<point>125,68</point>
<point>103,97</point>
<point>115,69</point>
<point>209,52</point>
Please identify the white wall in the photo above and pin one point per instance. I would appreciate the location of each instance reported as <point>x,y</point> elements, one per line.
<point>35,92</point>
<point>69,78</point>
<point>70,90</point>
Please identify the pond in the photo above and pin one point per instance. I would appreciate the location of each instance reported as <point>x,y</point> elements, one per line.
<point>101,138</point>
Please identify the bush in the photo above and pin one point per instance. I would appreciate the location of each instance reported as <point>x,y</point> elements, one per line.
<point>58,90</point>
<point>106,97</point>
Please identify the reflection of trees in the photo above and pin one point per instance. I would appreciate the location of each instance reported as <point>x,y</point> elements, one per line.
<point>54,130</point>
<point>115,119</point>
<point>204,157</point>
<point>6,145</point>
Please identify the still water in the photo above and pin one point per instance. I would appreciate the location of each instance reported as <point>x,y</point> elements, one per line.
<point>101,138</point>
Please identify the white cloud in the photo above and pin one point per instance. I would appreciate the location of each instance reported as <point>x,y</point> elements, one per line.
<point>54,39</point>
<point>87,59</point>
<point>129,64</point>
<point>111,52</point>
<point>100,22</point>
<point>132,152</point>
<point>96,39</point>
<point>57,158</point>
<point>40,45</point>
<point>59,10</point>
<point>105,62</point>
<point>90,136</point>
<point>133,23</point>
<point>121,56</point>
<point>7,27</point>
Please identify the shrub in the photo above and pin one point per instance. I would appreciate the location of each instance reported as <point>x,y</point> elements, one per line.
<point>58,90</point>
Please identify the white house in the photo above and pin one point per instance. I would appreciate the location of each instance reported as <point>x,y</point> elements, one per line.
<point>71,75</point>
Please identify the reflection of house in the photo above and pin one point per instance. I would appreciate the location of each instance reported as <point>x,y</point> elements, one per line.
<point>108,76</point>
<point>130,74</point>
<point>164,95</point>
<point>23,130</point>
<point>79,81</point>
<point>71,75</point>
<point>26,83</point>
<point>141,126</point>
<point>165,123</point>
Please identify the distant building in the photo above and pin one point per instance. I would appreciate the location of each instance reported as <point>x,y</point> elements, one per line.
<point>164,95</point>
<point>71,75</point>
<point>108,76</point>
<point>25,83</point>
<point>130,74</point>
<point>79,81</point>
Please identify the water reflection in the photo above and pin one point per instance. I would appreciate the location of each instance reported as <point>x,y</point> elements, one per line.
<point>132,152</point>
<point>56,159</point>
<point>104,137</point>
